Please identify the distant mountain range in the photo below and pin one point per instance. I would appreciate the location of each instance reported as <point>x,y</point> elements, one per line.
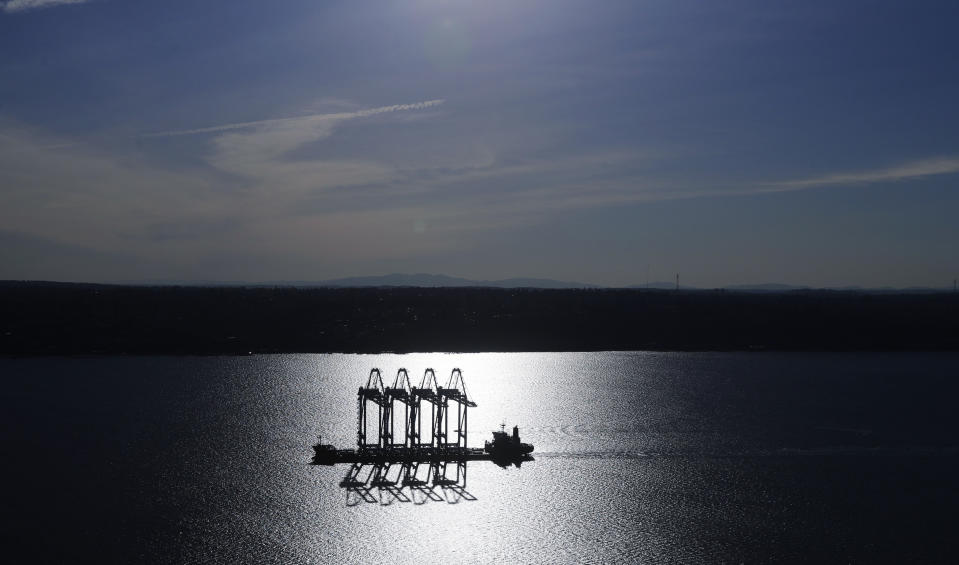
<point>778,287</point>
<point>767,287</point>
<point>427,280</point>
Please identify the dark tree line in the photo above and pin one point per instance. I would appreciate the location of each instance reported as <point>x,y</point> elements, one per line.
<point>49,318</point>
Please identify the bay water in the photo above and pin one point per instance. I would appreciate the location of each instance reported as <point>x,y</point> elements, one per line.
<point>640,457</point>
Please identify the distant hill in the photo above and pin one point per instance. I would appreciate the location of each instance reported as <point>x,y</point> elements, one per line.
<point>430,280</point>
<point>661,285</point>
<point>779,287</point>
<point>425,280</point>
<point>767,287</point>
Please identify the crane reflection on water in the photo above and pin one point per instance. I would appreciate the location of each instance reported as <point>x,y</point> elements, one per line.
<point>409,482</point>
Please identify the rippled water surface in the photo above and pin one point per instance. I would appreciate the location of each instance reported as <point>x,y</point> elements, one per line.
<point>640,457</point>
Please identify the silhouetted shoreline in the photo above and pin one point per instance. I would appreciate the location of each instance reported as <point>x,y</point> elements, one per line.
<point>78,319</point>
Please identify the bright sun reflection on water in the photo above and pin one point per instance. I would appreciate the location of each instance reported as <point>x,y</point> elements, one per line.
<point>553,399</point>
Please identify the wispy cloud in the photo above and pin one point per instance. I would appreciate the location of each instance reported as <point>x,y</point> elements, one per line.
<point>911,170</point>
<point>69,191</point>
<point>260,151</point>
<point>307,121</point>
<point>12,6</point>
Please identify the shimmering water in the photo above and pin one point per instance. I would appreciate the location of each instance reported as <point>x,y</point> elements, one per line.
<point>640,457</point>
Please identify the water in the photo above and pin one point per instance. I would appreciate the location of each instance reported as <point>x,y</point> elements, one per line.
<point>640,457</point>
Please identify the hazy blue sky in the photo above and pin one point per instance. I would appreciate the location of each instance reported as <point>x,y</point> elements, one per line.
<point>730,141</point>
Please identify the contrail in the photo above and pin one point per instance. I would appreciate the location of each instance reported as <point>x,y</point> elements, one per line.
<point>336,116</point>
<point>13,6</point>
<point>910,170</point>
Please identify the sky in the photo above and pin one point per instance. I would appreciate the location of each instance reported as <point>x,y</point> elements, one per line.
<point>613,143</point>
